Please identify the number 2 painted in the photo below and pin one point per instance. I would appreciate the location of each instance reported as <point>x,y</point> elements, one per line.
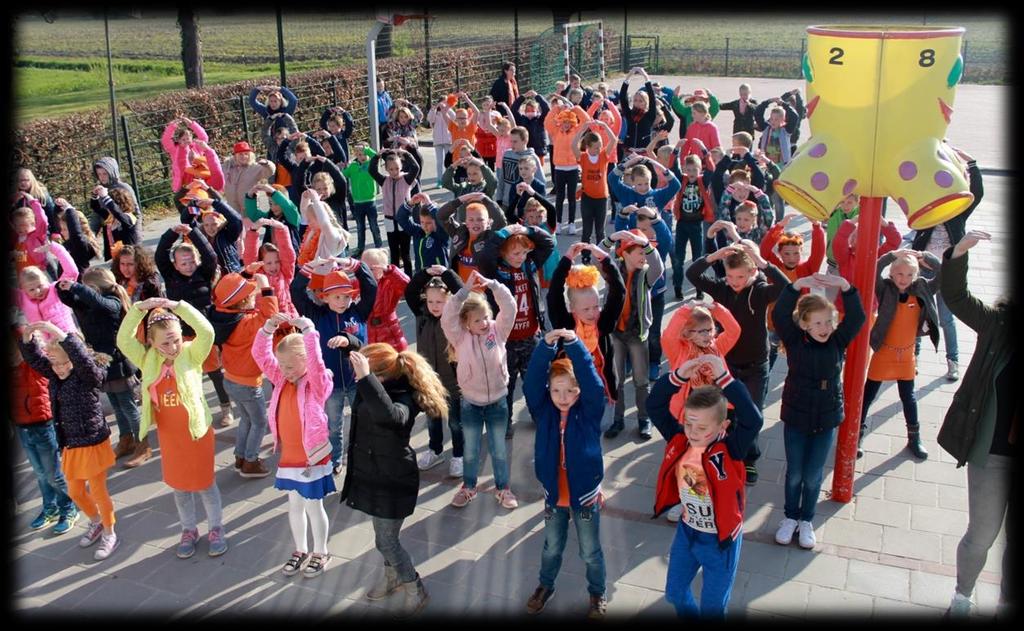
<point>837,55</point>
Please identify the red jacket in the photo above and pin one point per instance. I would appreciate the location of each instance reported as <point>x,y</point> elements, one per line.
<point>383,324</point>
<point>30,396</point>
<point>722,460</point>
<point>846,257</point>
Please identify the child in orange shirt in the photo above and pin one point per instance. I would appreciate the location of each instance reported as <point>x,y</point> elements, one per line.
<point>236,317</point>
<point>562,125</point>
<point>594,169</point>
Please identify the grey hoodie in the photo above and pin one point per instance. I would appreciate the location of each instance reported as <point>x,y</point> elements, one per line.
<point>508,173</point>
<point>110,165</point>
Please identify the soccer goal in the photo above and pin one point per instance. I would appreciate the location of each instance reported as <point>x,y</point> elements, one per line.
<point>576,47</point>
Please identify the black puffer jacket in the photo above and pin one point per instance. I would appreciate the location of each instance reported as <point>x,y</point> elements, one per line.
<point>75,401</point>
<point>812,397</point>
<point>99,316</point>
<point>430,339</point>
<point>195,289</point>
<point>382,478</point>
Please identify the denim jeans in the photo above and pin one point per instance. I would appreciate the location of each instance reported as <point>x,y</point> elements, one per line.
<point>948,326</point>
<point>588,533</point>
<point>686,232</point>
<point>495,417</point>
<point>336,421</point>
<point>654,334</point>
<point>692,550</point>
<point>805,469</point>
<point>40,444</point>
<point>365,213</point>
<point>755,378</point>
<point>623,343</point>
<point>126,412</point>
<point>185,501</point>
<point>385,534</point>
<point>436,432</point>
<point>778,204</point>
<point>252,418</point>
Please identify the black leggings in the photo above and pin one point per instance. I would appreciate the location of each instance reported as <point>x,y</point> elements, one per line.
<point>400,245</point>
<point>217,377</point>
<point>565,187</point>
<point>593,212</point>
<point>906,388</point>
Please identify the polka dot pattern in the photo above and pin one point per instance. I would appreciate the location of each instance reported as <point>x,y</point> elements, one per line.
<point>943,179</point>
<point>849,187</point>
<point>819,181</point>
<point>908,170</point>
<point>904,206</point>
<point>818,150</point>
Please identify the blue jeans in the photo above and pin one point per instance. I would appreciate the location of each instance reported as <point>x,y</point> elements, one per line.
<point>336,420</point>
<point>805,468</point>
<point>495,417</point>
<point>691,232</point>
<point>948,326</point>
<point>126,412</point>
<point>366,213</point>
<point>252,418</point>
<point>692,550</point>
<point>654,333</point>
<point>436,432</point>
<point>588,532</point>
<point>40,444</point>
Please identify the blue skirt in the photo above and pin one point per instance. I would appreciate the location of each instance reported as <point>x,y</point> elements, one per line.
<point>317,486</point>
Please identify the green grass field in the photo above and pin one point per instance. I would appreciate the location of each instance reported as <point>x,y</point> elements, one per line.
<point>61,67</point>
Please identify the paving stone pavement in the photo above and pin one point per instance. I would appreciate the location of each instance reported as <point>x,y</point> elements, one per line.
<point>891,551</point>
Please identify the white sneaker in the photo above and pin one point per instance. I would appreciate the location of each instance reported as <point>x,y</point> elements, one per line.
<point>572,228</point>
<point>108,543</point>
<point>455,467</point>
<point>784,535</point>
<point>429,459</point>
<point>92,534</point>
<point>806,535</point>
<point>952,370</point>
<point>674,513</point>
<point>959,607</point>
<point>562,229</point>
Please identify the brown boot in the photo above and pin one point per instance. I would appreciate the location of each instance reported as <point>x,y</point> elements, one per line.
<point>227,419</point>
<point>253,469</point>
<point>141,454</point>
<point>125,446</point>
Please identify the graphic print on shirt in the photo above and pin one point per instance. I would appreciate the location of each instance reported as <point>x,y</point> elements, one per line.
<point>526,323</point>
<point>774,150</point>
<point>698,512</point>
<point>691,201</point>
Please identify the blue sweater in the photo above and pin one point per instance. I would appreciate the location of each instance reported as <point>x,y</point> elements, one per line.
<point>583,459</point>
<point>329,323</point>
<point>654,198</point>
<point>429,249</point>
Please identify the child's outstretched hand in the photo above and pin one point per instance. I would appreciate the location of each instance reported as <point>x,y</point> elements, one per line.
<point>478,282</point>
<point>360,365</point>
<point>596,251</point>
<point>302,323</point>
<point>436,270</point>
<point>49,328</point>
<point>338,341</point>
<point>274,321</point>
<point>831,280</point>
<point>968,241</point>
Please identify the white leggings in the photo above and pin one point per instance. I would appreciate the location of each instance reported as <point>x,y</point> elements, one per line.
<point>301,510</point>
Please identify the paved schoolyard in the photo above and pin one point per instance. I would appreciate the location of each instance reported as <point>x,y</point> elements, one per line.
<point>890,551</point>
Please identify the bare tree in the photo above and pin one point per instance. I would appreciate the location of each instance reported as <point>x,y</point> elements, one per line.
<point>191,48</point>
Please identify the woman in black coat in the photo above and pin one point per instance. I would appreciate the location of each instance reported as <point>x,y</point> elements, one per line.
<point>382,479</point>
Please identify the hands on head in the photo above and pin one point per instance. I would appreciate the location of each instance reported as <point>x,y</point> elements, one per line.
<point>690,368</point>
<point>567,335</point>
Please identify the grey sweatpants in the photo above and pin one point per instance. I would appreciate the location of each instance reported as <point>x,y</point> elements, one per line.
<point>629,342</point>
<point>989,493</point>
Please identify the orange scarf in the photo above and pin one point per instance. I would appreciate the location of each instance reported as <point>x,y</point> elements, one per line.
<point>628,304</point>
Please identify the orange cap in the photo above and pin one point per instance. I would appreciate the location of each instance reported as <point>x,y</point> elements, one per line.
<point>232,289</point>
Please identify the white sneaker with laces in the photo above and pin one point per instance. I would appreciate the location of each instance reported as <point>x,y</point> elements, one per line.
<point>952,370</point>
<point>674,513</point>
<point>108,543</point>
<point>784,535</point>
<point>429,459</point>
<point>92,534</point>
<point>455,467</point>
<point>959,607</point>
<point>507,499</point>
<point>806,535</point>
<point>572,228</point>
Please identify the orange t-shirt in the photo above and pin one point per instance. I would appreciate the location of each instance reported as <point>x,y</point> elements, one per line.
<point>466,265</point>
<point>466,133</point>
<point>310,242</point>
<point>187,464</point>
<point>289,428</point>
<point>563,475</point>
<point>21,257</point>
<point>595,175</point>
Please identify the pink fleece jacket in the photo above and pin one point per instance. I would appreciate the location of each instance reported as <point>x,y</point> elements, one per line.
<point>282,281</point>
<point>314,388</point>
<point>706,132</point>
<point>179,157</point>
<point>482,371</point>
<point>50,307</point>
<point>37,237</point>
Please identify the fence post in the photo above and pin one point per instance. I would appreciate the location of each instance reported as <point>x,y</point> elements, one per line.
<point>623,39</point>
<point>964,61</point>
<point>426,46</point>
<point>803,47</point>
<point>280,47</point>
<point>726,56</point>
<point>515,36</point>
<point>657,54</point>
<point>131,158</point>
<point>458,79</point>
<point>245,118</point>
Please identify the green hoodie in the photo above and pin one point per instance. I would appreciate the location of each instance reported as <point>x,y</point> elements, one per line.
<point>835,220</point>
<point>364,188</point>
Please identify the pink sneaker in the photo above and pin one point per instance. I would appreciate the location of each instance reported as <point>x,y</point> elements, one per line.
<point>507,499</point>
<point>464,496</point>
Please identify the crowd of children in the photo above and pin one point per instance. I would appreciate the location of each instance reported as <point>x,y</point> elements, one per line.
<point>261,288</point>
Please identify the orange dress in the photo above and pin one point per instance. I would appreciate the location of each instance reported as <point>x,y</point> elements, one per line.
<point>894,361</point>
<point>289,428</point>
<point>85,463</point>
<point>187,464</point>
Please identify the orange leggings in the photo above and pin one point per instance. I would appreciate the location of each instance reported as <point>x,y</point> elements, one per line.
<point>94,501</point>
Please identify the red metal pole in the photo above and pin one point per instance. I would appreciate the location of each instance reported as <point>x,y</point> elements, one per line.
<point>856,370</point>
